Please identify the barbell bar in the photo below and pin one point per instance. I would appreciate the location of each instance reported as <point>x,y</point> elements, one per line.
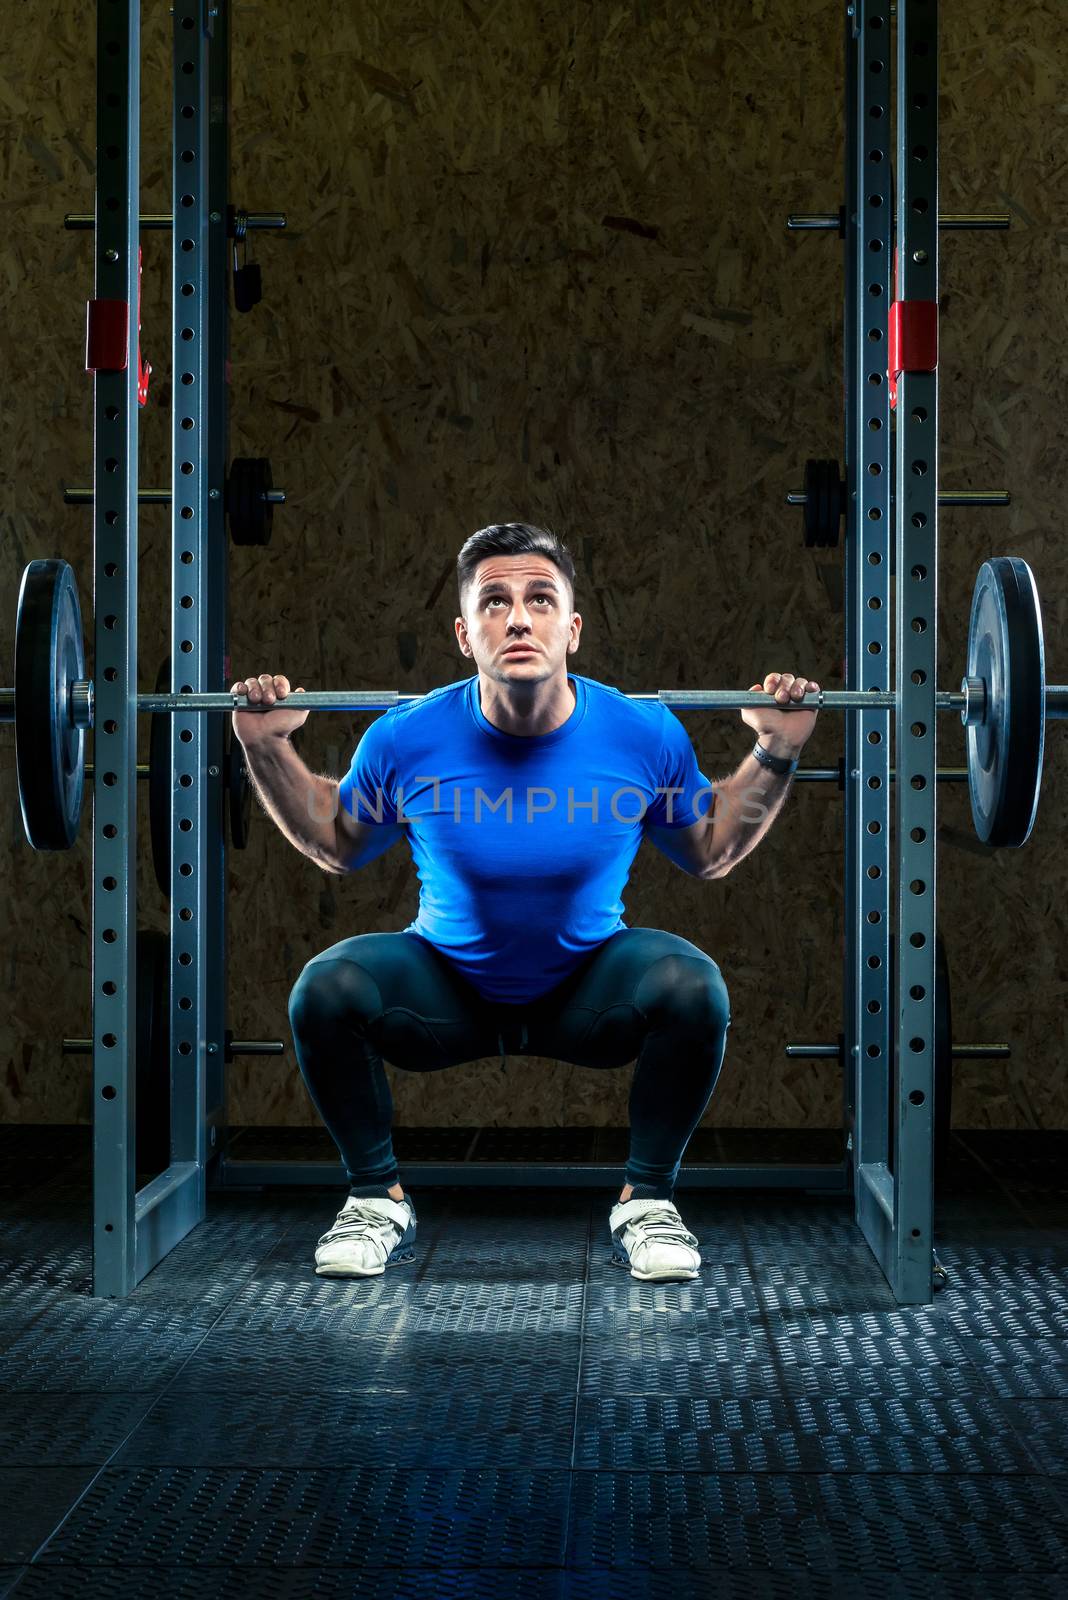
<point>824,499</point>
<point>82,701</point>
<point>684,699</point>
<point>249,495</point>
<point>833,1052</point>
<point>802,775</point>
<point>952,497</point>
<point>233,1047</point>
<point>1004,702</point>
<point>948,222</point>
<point>156,221</point>
<point>160,497</point>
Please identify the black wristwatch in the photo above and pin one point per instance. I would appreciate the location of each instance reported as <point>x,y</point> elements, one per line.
<point>778,764</point>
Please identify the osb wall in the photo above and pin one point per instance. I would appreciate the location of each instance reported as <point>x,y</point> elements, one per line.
<point>537,268</point>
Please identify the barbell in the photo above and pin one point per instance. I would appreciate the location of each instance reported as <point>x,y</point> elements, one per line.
<point>249,497</point>
<point>1003,702</point>
<point>825,496</point>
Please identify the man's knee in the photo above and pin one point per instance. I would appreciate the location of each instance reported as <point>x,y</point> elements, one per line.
<point>329,990</point>
<point>685,990</point>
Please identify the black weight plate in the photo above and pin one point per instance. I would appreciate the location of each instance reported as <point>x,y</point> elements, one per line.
<point>835,504</point>
<point>248,286</point>
<point>824,512</point>
<point>153,1119</point>
<point>239,794</point>
<point>160,784</point>
<point>811,489</point>
<point>49,749</point>
<point>238,503</point>
<point>251,517</point>
<point>1005,649</point>
<point>821,530</point>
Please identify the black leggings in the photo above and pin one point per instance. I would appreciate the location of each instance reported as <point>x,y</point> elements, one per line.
<point>642,994</point>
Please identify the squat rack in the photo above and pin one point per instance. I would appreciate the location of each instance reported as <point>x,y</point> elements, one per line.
<point>888,1113</point>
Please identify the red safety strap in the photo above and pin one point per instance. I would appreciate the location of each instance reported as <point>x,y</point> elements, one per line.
<point>106,327</point>
<point>107,338</point>
<point>912,339</point>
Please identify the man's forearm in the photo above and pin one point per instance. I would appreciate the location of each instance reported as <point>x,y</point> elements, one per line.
<point>747,804</point>
<point>302,805</point>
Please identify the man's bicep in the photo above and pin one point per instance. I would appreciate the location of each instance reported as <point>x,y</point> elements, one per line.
<point>688,848</point>
<point>359,843</point>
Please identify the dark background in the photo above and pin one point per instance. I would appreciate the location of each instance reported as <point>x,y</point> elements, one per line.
<point>537,267</point>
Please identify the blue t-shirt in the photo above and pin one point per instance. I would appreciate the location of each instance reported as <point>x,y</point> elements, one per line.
<point>523,844</point>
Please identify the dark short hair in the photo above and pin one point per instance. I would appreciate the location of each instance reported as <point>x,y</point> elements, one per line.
<point>512,539</point>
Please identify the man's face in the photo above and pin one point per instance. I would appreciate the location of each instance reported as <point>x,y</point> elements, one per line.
<point>518,600</point>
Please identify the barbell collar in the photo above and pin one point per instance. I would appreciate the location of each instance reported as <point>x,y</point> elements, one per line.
<point>1056,702</point>
<point>82,701</point>
<point>973,712</point>
<point>240,223</point>
<point>948,222</point>
<point>85,221</point>
<point>159,497</point>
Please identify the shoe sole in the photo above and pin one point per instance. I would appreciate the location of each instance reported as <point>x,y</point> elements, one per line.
<point>681,1276</point>
<point>398,1258</point>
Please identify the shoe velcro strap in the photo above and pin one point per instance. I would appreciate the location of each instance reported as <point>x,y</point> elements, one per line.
<point>627,1210</point>
<point>396,1210</point>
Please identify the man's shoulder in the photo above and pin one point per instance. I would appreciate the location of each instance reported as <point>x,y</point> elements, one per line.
<point>434,701</point>
<point>620,704</point>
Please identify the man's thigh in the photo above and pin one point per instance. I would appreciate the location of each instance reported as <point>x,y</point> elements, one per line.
<point>417,1011</point>
<point>605,1017</point>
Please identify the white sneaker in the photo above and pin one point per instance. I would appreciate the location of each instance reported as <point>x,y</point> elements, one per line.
<point>650,1238</point>
<point>368,1236</point>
